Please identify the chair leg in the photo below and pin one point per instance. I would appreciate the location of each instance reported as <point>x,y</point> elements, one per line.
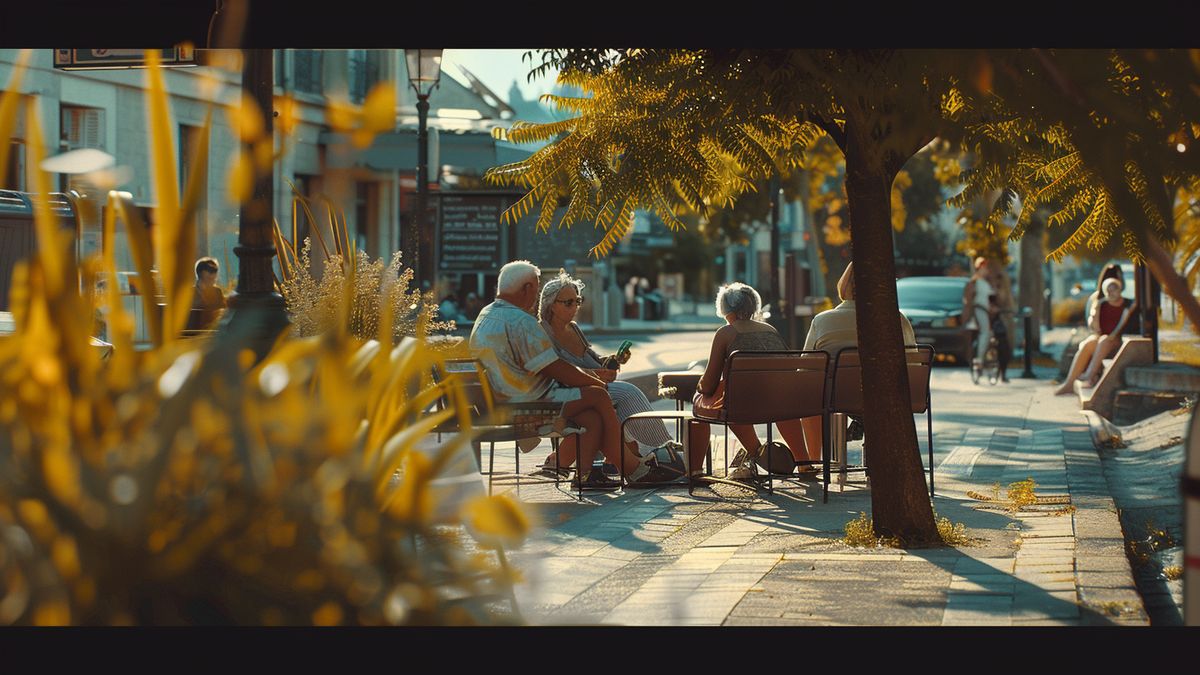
<point>929,426</point>
<point>726,451</point>
<point>826,449</point>
<point>770,480</point>
<point>491,465</point>
<point>517,460</point>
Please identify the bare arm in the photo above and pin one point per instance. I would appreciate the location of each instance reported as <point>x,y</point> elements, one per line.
<point>571,376</point>
<point>1093,321</point>
<point>716,361</point>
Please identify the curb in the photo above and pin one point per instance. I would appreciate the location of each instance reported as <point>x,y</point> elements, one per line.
<point>1103,575</point>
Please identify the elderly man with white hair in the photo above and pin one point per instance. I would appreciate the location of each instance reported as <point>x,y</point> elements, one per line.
<point>522,365</point>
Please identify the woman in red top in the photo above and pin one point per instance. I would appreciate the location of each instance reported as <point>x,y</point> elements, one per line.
<point>1106,319</point>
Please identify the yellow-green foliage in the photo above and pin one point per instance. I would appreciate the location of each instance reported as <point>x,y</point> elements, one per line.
<point>860,532</point>
<point>317,305</point>
<point>953,534</point>
<point>1173,572</point>
<point>1021,494</point>
<point>186,484</point>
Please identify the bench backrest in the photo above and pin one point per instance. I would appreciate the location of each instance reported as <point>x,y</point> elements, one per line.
<point>472,381</point>
<point>846,386</point>
<point>772,386</point>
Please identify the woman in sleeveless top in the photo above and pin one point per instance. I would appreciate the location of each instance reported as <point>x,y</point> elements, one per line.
<point>1106,319</point>
<point>559,303</point>
<point>739,304</point>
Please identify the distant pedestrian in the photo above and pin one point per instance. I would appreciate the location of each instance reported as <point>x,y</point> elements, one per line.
<point>208,301</point>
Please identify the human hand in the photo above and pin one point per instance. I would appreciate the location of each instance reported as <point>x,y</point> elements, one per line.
<point>604,374</point>
<point>624,357</point>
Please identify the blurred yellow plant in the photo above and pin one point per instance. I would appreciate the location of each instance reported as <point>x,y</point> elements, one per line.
<point>318,305</point>
<point>185,484</point>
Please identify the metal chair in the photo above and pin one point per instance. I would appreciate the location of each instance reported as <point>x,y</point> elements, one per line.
<point>494,422</point>
<point>764,387</point>
<point>846,398</point>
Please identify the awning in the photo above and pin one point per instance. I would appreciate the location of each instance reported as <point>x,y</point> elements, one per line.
<point>470,151</point>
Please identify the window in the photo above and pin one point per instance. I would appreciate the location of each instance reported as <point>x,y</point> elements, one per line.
<point>82,127</point>
<point>308,65</point>
<point>364,72</point>
<point>190,138</point>
<point>363,214</point>
<point>14,176</point>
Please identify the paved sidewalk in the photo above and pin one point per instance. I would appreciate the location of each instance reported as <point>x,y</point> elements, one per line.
<point>733,557</point>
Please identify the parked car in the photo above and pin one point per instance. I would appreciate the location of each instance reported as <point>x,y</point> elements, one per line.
<point>933,306</point>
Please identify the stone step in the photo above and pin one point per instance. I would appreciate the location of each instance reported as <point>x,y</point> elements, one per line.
<point>1164,377</point>
<point>1132,405</point>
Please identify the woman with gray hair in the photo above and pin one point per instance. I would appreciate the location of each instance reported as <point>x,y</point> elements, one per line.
<point>560,300</point>
<point>741,306</point>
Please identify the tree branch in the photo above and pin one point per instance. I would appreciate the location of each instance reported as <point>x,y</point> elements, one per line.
<point>830,127</point>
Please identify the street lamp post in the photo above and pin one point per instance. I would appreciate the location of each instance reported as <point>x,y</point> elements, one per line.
<point>255,307</point>
<point>424,73</point>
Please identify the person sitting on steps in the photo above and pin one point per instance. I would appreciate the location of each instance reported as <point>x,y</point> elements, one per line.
<point>1106,320</point>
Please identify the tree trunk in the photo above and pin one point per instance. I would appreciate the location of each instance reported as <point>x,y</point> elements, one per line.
<point>1163,269</point>
<point>900,504</point>
<point>1032,283</point>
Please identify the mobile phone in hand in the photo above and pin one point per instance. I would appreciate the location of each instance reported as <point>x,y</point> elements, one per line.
<point>624,349</point>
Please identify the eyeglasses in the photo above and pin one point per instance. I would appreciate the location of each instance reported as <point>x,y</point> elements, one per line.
<point>572,302</point>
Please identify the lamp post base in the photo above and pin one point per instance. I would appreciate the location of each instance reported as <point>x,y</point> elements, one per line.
<point>257,318</point>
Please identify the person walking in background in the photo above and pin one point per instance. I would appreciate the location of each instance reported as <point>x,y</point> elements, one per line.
<point>1005,307</point>
<point>208,301</point>
<point>978,309</point>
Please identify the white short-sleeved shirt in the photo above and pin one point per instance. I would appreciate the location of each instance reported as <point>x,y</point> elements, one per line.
<point>513,348</point>
<point>836,329</point>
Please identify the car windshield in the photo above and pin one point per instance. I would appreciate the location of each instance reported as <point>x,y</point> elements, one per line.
<point>918,292</point>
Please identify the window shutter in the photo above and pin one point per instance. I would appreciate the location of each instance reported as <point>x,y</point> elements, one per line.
<point>84,128</point>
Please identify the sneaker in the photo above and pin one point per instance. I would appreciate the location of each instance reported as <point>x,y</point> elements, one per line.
<point>670,454</point>
<point>741,473</point>
<point>657,475</point>
<point>548,471</point>
<point>741,461</point>
<point>596,480</point>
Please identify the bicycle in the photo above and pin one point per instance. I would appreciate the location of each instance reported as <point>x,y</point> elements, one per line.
<point>991,356</point>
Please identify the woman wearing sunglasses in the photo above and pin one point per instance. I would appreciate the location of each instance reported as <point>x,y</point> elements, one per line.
<point>560,300</point>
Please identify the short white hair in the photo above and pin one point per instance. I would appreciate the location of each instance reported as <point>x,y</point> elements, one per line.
<point>515,274</point>
<point>739,299</point>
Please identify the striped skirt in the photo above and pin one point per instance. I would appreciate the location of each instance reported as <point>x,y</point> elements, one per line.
<point>629,400</point>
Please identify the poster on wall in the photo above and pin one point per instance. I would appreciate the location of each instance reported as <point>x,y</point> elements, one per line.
<point>471,238</point>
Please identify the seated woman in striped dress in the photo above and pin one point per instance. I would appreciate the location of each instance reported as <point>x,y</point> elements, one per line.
<point>559,303</point>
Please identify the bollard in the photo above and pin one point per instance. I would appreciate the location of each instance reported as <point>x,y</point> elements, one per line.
<point>1027,314</point>
<point>837,446</point>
